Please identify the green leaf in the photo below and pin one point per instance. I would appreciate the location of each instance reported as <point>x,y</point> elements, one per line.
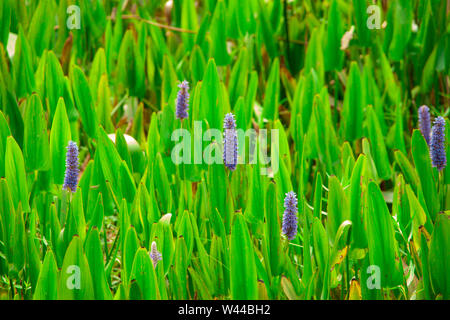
<point>407,169</point>
<point>54,82</point>
<point>110,160</point>
<point>103,105</point>
<point>6,218</point>
<point>243,268</point>
<point>332,52</point>
<point>18,242</point>
<point>199,283</point>
<point>32,253</point>
<point>314,59</point>
<point>266,30</point>
<point>144,274</point>
<point>422,162</point>
<point>95,218</point>
<point>131,245</point>
<point>254,211</point>
<point>135,292</point>
<point>439,257</point>
<point>75,282</point>
<point>378,146</point>
<point>237,85</point>
<point>387,73</point>
<point>383,247</point>
<point>272,93</point>
<point>181,265</point>
<point>244,15</point>
<point>47,285</point>
<point>24,81</point>
<point>360,14</point>
<point>338,208</point>
<point>188,22</point>
<point>75,223</point>
<point>41,28</point>
<point>36,146</point>
<point>59,139</point>
<point>354,105</point>
<point>95,260</point>
<point>97,72</point>
<point>185,229</point>
<point>15,174</point>
<point>4,133</point>
<point>130,66</point>
<point>322,256</point>
<point>84,102</point>
<point>5,14</point>
<point>403,13</point>
<point>428,72</point>
<point>127,183</point>
<point>418,217</point>
<point>168,83</point>
<point>357,190</point>
<point>162,185</point>
<point>219,34</point>
<point>212,107</point>
<point>197,63</point>
<point>326,141</point>
<point>273,230</point>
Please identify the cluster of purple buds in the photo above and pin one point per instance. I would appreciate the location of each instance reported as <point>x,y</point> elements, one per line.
<point>437,144</point>
<point>182,102</point>
<point>72,170</point>
<point>229,142</point>
<point>155,255</point>
<point>424,123</point>
<point>290,215</point>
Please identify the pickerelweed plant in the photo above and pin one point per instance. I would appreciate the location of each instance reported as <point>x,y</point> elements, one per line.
<point>224,150</point>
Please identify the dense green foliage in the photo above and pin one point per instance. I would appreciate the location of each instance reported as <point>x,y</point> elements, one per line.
<point>373,219</point>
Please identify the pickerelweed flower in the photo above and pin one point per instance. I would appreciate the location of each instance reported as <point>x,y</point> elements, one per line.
<point>290,215</point>
<point>72,170</point>
<point>155,255</point>
<point>229,142</point>
<point>182,102</point>
<point>437,145</point>
<point>424,123</point>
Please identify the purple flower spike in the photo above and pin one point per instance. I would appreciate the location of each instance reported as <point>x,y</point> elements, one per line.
<point>72,171</point>
<point>290,215</point>
<point>437,145</point>
<point>155,255</point>
<point>424,123</point>
<point>182,102</point>
<point>230,142</point>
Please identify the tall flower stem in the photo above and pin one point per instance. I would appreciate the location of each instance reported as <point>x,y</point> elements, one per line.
<point>227,181</point>
<point>64,206</point>
<point>441,190</point>
<point>12,288</point>
<point>66,198</point>
<point>347,267</point>
<point>183,168</point>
